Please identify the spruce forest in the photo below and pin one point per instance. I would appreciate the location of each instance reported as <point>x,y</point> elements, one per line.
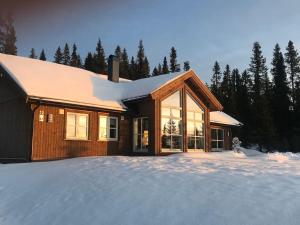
<point>265,98</point>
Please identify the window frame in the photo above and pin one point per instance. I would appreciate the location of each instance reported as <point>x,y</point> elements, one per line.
<point>76,138</point>
<point>195,121</point>
<point>171,117</point>
<point>218,140</point>
<point>108,128</point>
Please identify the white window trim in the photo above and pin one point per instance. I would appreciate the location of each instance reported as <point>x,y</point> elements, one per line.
<point>108,128</point>
<point>218,140</point>
<point>87,127</point>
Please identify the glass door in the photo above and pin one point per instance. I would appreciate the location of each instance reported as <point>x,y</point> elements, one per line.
<point>141,134</point>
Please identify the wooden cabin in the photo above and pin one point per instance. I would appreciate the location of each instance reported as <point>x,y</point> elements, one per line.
<point>50,111</point>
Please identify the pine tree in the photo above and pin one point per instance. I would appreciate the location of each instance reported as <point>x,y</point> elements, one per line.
<point>280,98</point>
<point>79,61</point>
<point>66,59</point>
<point>159,69</point>
<point>264,132</point>
<point>74,57</point>
<point>216,80</point>
<point>293,67</point>
<point>43,55</point>
<point>99,59</point>
<point>165,68</point>
<point>225,89</point>
<point>118,52</point>
<point>32,54</point>
<point>89,62</point>
<point>142,64</point>
<point>186,66</point>
<point>155,71</point>
<point>58,57</point>
<point>132,69</point>
<point>10,37</point>
<point>124,65</point>
<point>174,67</point>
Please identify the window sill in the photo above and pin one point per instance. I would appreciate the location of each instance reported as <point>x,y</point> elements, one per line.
<point>108,140</point>
<point>75,139</point>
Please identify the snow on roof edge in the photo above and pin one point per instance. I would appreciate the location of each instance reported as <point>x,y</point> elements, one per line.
<point>220,117</point>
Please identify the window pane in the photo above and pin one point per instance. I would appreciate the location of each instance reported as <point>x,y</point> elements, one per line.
<point>165,112</point>
<point>113,133</point>
<point>174,100</point>
<point>176,113</point>
<point>70,131</point>
<point>199,129</point>
<point>192,105</point>
<point>190,128</point>
<point>71,119</point>
<point>199,116</point>
<point>199,143</point>
<point>220,134</point>
<point>113,122</point>
<point>214,134</point>
<point>190,115</point>
<point>103,132</point>
<point>176,142</point>
<point>82,120</point>
<point>81,132</point>
<point>103,121</point>
<point>220,144</point>
<point>176,127</point>
<point>191,143</point>
<point>214,144</point>
<point>166,141</point>
<point>166,125</point>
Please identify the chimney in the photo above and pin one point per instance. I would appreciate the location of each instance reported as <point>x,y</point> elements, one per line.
<point>113,69</point>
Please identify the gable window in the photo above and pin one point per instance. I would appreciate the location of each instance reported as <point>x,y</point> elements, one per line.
<point>77,126</point>
<point>195,124</point>
<point>217,139</point>
<point>171,123</point>
<point>108,128</point>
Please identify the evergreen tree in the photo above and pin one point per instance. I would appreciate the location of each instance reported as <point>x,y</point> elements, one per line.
<point>186,66</point>
<point>280,100</point>
<point>58,57</point>
<point>99,59</point>
<point>225,89</point>
<point>155,71</point>
<point>10,37</point>
<point>89,62</point>
<point>74,57</point>
<point>43,55</point>
<point>165,68</point>
<point>174,67</point>
<point>79,61</point>
<point>159,69</point>
<point>263,127</point>
<point>293,67</point>
<point>132,69</point>
<point>118,52</point>
<point>142,64</point>
<point>124,65</point>
<point>216,80</point>
<point>66,59</point>
<point>32,54</point>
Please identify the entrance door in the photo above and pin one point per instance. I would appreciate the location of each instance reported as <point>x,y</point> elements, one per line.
<point>141,134</point>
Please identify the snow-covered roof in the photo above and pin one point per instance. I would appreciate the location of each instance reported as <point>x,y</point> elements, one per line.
<point>223,118</point>
<point>59,83</point>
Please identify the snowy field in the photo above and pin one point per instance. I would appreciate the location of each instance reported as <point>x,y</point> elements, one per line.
<point>202,188</point>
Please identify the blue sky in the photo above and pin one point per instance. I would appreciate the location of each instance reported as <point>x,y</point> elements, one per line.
<point>201,31</point>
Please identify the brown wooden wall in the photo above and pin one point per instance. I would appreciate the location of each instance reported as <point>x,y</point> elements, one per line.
<point>15,123</point>
<point>49,140</point>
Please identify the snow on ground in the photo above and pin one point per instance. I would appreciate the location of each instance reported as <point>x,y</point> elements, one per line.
<point>224,188</point>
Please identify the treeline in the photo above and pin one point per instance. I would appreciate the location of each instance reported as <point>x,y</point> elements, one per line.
<point>266,101</point>
<point>130,68</point>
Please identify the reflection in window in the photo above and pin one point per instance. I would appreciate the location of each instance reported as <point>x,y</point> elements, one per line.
<point>195,124</point>
<point>77,126</point>
<point>217,139</point>
<point>171,123</point>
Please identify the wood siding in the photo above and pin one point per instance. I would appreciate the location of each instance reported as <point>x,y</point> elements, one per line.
<point>15,123</point>
<point>49,138</point>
